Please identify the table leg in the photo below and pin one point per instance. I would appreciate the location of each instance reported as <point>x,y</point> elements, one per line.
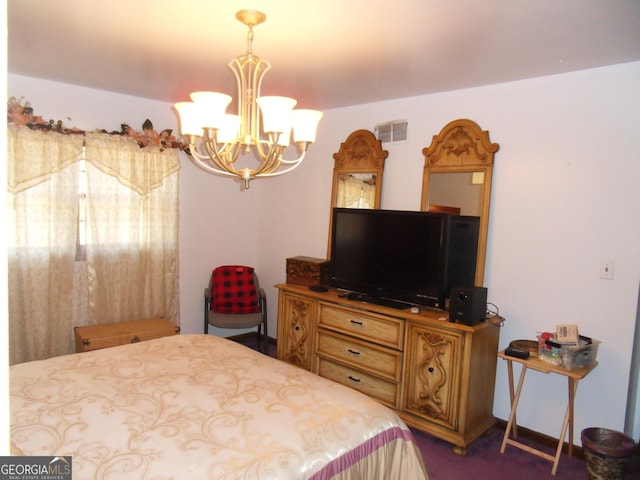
<point>573,386</point>
<point>514,405</point>
<point>567,423</point>
<point>514,426</point>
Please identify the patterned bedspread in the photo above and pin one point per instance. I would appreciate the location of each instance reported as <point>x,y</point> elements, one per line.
<point>201,407</point>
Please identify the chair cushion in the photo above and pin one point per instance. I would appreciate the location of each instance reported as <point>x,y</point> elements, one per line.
<point>233,290</point>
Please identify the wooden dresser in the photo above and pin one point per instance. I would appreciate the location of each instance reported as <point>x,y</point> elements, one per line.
<point>94,337</point>
<point>439,376</point>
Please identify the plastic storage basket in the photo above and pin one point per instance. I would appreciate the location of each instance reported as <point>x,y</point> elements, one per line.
<point>571,357</point>
<point>579,356</point>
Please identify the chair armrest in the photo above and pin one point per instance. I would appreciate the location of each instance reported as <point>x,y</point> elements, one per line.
<point>207,300</point>
<point>262,298</point>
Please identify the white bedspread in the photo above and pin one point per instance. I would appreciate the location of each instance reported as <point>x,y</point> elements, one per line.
<point>200,407</point>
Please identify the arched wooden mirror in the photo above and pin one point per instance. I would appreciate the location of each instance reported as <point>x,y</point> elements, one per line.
<point>357,174</point>
<point>458,167</point>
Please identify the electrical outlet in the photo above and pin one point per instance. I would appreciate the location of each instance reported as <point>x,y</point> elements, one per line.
<point>606,269</point>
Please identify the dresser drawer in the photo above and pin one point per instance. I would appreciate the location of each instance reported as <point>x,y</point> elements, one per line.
<point>382,390</point>
<point>369,357</point>
<point>380,329</point>
<point>94,337</point>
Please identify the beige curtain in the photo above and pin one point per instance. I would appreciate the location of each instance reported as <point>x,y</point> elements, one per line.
<point>132,231</point>
<point>42,232</point>
<point>128,265</point>
<point>354,192</point>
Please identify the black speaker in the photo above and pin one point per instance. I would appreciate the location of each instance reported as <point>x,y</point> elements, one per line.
<point>468,305</point>
<point>462,251</point>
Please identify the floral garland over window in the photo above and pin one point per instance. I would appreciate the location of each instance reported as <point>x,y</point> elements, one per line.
<point>22,115</point>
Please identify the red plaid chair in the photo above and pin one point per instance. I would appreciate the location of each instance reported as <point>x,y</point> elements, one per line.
<point>234,299</point>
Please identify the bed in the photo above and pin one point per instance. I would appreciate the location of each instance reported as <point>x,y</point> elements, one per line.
<point>202,407</point>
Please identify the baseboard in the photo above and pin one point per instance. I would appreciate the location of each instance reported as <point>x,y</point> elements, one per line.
<point>544,440</point>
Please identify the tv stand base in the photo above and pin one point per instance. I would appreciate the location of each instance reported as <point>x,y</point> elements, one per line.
<point>385,302</point>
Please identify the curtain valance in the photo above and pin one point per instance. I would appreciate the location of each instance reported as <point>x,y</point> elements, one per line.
<point>46,153</point>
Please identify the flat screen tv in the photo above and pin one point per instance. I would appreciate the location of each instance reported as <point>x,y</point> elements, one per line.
<point>402,258</point>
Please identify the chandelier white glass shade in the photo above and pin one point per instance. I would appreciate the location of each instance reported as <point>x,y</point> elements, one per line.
<point>218,139</point>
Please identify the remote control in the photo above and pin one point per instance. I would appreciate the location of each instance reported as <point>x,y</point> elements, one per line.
<point>318,288</point>
<point>514,352</point>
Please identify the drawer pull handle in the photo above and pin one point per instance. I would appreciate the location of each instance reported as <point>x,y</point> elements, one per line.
<point>353,351</point>
<point>355,322</point>
<point>135,339</point>
<point>354,379</point>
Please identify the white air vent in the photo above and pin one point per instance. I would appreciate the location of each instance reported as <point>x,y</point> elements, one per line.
<point>391,132</point>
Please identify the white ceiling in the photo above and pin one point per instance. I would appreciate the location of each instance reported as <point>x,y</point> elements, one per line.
<point>325,53</point>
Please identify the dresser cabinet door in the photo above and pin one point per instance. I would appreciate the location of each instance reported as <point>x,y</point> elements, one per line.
<point>296,317</point>
<point>432,375</point>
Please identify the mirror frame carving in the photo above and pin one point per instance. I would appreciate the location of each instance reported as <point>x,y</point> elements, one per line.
<point>360,153</point>
<point>462,146</point>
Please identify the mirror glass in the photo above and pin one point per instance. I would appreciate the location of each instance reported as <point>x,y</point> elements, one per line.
<point>458,167</point>
<point>460,190</point>
<point>356,190</point>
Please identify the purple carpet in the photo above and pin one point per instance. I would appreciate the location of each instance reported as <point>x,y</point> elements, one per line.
<point>485,462</point>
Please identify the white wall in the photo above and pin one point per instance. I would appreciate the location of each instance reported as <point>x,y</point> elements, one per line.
<point>564,198</point>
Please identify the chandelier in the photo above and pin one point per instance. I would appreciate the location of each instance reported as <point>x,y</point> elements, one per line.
<point>217,139</point>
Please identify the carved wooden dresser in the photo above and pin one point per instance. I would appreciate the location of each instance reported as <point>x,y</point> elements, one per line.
<point>438,375</point>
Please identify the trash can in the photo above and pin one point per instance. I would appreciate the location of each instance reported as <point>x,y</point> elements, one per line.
<point>607,453</point>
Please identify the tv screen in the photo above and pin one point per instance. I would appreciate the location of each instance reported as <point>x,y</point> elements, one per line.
<point>400,256</point>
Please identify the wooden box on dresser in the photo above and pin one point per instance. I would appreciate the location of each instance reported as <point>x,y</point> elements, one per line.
<point>439,376</point>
